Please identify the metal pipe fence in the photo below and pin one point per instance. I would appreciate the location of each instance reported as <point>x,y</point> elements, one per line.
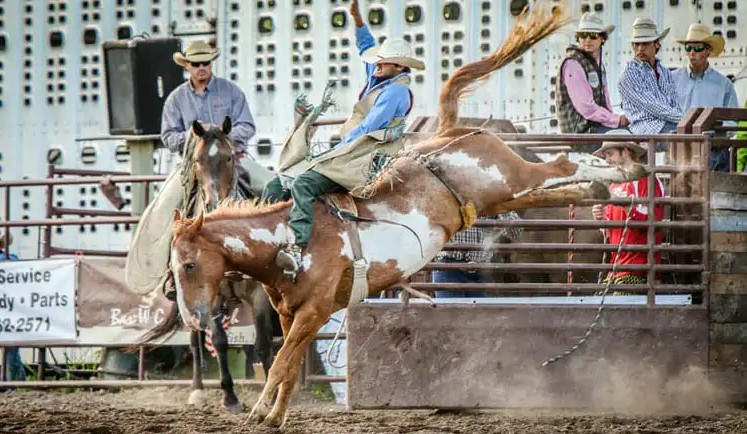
<point>697,169</point>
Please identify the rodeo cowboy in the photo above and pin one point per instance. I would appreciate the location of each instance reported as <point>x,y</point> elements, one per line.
<point>374,126</point>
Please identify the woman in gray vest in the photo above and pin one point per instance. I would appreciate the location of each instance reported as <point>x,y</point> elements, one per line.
<point>582,97</point>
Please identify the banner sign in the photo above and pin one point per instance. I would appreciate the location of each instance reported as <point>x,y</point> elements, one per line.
<point>111,314</point>
<point>37,301</point>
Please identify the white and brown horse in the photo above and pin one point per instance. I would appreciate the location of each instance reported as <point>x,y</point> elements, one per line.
<point>421,199</point>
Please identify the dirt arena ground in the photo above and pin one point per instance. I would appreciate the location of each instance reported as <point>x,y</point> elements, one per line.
<point>163,411</point>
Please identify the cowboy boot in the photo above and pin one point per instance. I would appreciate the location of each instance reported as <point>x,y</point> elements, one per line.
<point>289,259</point>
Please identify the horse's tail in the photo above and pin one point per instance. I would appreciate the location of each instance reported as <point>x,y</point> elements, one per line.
<point>165,328</point>
<point>530,29</point>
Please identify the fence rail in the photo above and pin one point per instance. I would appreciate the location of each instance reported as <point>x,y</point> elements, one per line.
<point>694,220</point>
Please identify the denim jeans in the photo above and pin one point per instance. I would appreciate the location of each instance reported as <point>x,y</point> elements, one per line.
<point>457,276</point>
<point>669,127</point>
<point>15,370</point>
<point>720,160</point>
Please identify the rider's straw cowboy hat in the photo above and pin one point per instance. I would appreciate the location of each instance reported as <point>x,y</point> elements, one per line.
<point>702,33</point>
<point>644,30</point>
<point>591,22</point>
<point>637,149</point>
<point>197,51</point>
<point>396,51</point>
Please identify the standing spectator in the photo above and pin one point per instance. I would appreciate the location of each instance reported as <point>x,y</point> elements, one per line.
<point>647,88</point>
<point>699,85</point>
<point>15,370</point>
<point>622,154</point>
<point>479,236</point>
<point>582,95</point>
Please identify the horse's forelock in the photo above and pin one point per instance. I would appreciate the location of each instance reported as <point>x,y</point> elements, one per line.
<point>213,134</point>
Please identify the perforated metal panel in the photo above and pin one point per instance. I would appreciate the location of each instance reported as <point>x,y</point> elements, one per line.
<point>51,71</point>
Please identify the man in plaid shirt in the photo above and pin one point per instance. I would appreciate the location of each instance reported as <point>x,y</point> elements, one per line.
<point>479,236</point>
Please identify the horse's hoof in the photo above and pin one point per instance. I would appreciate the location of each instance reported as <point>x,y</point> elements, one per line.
<point>197,398</point>
<point>257,415</point>
<point>275,421</point>
<point>597,190</point>
<point>233,408</point>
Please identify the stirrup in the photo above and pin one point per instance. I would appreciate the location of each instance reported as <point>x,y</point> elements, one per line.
<point>289,259</point>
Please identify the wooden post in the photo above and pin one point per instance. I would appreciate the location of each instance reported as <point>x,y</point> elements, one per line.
<point>728,284</point>
<point>141,163</point>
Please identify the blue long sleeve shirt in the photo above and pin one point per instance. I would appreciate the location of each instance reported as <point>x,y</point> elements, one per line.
<point>221,98</point>
<point>710,89</point>
<point>392,102</point>
<point>648,103</point>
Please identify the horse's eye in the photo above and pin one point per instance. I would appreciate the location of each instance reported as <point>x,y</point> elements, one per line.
<point>190,266</point>
<point>228,160</point>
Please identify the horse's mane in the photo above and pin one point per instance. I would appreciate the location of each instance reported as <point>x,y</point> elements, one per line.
<point>232,208</point>
<point>529,30</point>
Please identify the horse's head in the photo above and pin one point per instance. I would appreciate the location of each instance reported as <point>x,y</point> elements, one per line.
<point>214,162</point>
<point>198,268</point>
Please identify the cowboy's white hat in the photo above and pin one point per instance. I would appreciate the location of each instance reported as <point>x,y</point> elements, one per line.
<point>644,30</point>
<point>591,22</point>
<point>396,51</point>
<point>197,51</point>
<point>637,149</point>
<point>702,33</point>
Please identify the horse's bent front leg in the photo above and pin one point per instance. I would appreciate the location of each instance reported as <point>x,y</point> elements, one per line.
<point>288,362</point>
<point>262,408</point>
<point>220,343</point>
<point>197,396</point>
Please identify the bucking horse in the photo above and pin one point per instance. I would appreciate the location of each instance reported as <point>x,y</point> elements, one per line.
<point>397,223</point>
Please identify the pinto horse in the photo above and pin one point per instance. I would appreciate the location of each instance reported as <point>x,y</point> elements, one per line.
<point>215,176</point>
<point>407,215</point>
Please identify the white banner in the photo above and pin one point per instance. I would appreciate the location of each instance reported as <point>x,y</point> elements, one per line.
<point>37,301</point>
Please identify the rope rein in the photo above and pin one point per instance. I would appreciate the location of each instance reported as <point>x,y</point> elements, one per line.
<point>594,323</point>
<point>328,355</point>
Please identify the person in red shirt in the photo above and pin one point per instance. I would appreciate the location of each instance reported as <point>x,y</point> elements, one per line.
<point>625,153</point>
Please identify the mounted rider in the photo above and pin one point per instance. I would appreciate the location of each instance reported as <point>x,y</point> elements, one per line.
<point>375,126</point>
<point>209,100</point>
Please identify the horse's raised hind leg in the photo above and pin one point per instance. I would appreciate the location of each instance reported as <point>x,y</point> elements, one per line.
<point>562,171</point>
<point>262,408</point>
<point>197,396</point>
<point>288,362</point>
<point>220,343</point>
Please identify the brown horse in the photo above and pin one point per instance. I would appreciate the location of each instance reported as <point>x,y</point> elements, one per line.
<point>422,198</point>
<point>215,178</point>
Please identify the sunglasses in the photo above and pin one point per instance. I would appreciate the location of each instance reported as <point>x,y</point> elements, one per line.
<point>198,64</point>
<point>696,48</point>
<point>587,35</point>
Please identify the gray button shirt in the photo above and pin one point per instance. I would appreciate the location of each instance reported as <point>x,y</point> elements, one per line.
<point>221,98</point>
